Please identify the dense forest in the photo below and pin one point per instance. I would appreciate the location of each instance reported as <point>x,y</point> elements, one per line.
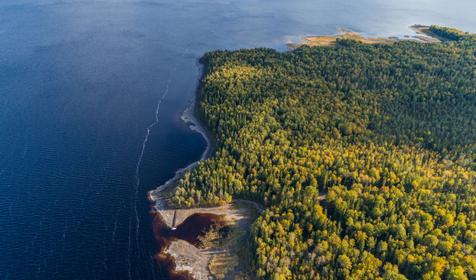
<point>364,156</point>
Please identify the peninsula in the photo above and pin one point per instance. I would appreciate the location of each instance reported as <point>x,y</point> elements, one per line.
<point>363,156</point>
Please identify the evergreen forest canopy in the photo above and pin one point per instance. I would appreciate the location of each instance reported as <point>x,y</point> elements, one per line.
<point>364,155</point>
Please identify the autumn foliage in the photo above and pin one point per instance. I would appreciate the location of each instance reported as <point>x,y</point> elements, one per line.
<point>364,156</point>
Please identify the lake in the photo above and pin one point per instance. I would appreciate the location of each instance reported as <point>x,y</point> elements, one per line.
<point>92,94</point>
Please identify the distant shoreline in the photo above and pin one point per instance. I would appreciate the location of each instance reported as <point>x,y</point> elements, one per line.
<point>422,35</point>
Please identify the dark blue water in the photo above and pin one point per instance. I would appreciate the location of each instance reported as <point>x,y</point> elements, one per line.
<point>80,83</point>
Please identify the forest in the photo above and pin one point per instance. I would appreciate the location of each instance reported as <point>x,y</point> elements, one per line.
<point>363,155</point>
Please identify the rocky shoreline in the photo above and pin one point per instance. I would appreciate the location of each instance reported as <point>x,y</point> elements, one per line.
<point>182,259</point>
<point>189,116</point>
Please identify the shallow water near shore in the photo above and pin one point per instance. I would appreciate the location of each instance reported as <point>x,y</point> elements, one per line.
<point>92,94</point>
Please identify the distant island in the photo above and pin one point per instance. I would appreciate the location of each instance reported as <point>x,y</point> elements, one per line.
<point>361,152</point>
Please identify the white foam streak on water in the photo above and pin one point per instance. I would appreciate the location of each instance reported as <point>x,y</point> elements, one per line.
<point>144,144</point>
<point>137,172</point>
<point>138,166</point>
<point>114,229</point>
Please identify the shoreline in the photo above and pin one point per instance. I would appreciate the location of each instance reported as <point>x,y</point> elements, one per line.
<point>421,35</point>
<point>169,261</point>
<point>178,258</point>
<point>191,118</point>
<point>424,35</point>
